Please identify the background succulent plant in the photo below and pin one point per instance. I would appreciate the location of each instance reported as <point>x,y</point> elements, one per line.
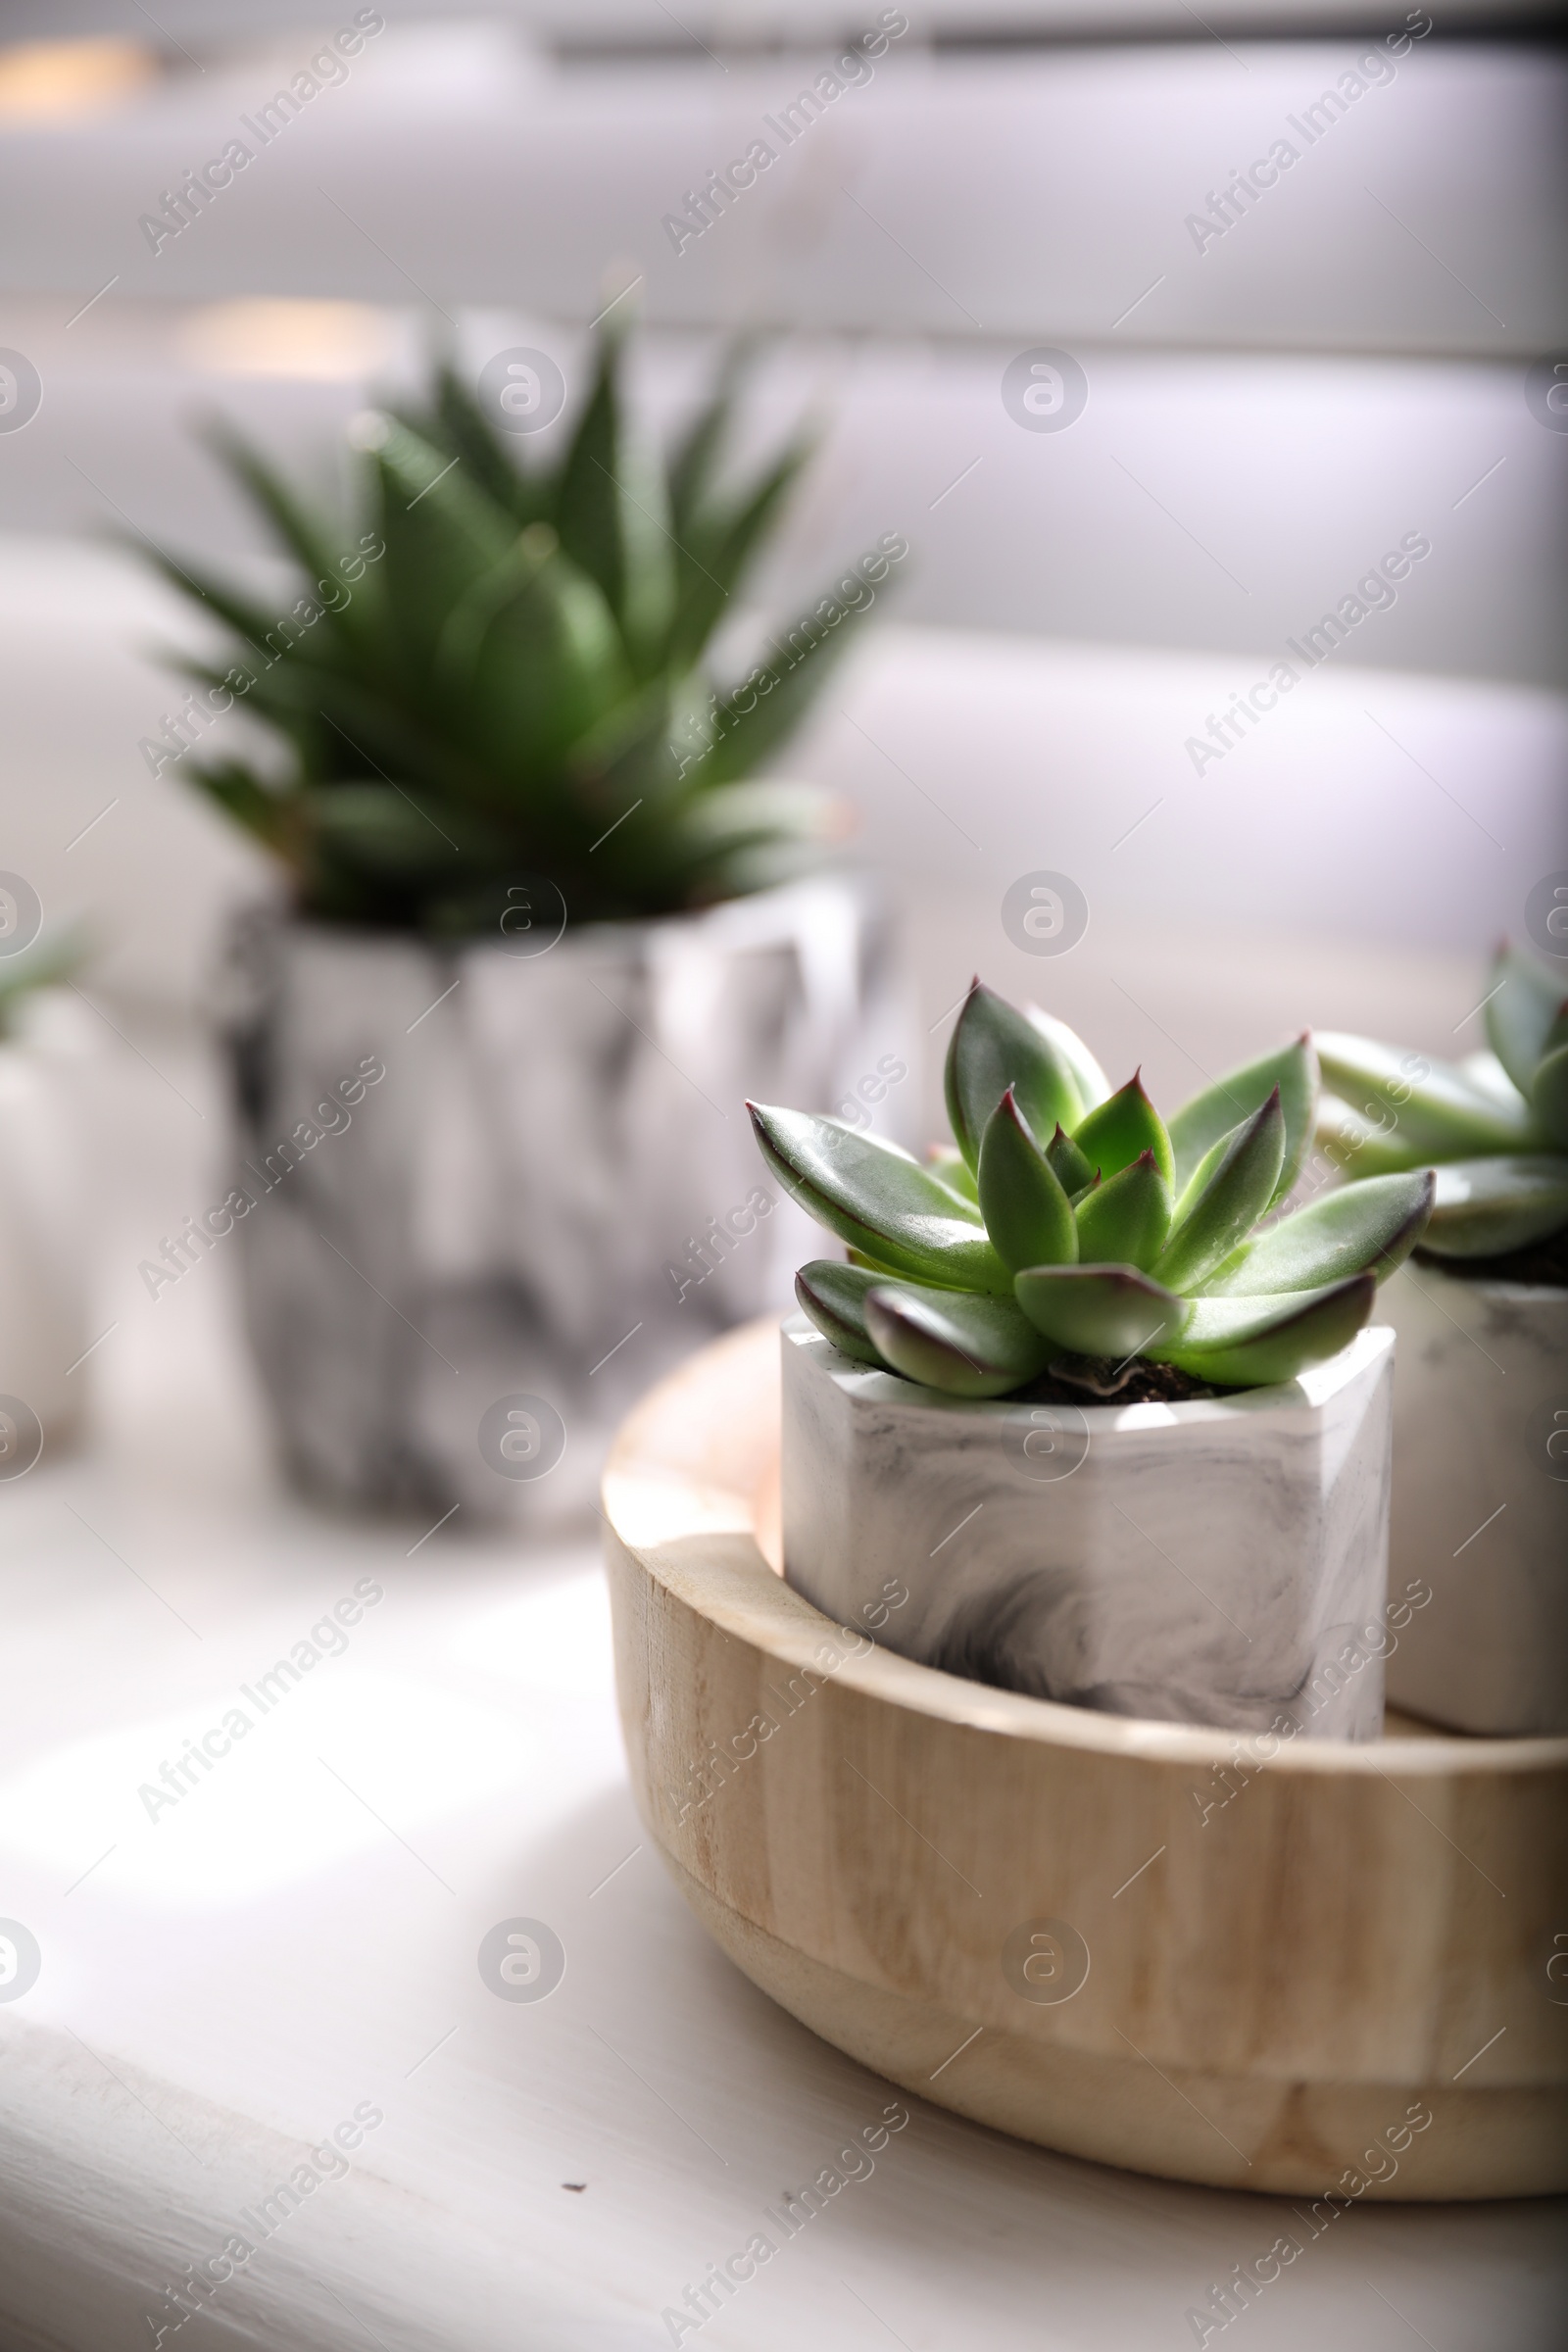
<point>518,670</point>
<point>1070,1221</point>
<point>1495,1126</point>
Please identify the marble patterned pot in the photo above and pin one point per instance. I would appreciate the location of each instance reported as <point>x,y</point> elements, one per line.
<point>1222,1561</point>
<point>486,1191</point>
<point>1480,1508</point>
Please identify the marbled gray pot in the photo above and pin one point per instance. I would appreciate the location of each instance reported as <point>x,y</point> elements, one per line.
<point>551,1193</point>
<point>1221,1562</point>
<point>1481,1500</point>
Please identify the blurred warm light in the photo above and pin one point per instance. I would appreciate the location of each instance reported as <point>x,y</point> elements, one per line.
<point>329,342</point>
<point>47,81</point>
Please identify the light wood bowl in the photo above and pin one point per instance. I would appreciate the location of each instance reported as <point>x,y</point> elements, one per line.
<point>1360,1933</point>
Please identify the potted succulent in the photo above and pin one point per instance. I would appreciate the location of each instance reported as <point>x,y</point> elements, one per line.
<point>43,1264</point>
<point>540,925</point>
<point>1481,1397</point>
<point>1125,1440</point>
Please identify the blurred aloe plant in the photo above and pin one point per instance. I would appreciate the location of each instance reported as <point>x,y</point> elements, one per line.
<point>1495,1125</point>
<point>514,685</point>
<point>1071,1222</point>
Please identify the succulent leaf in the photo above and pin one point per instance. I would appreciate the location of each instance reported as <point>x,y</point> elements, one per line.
<point>1026,1212</point>
<point>1125,1222</point>
<point>1250,1342</point>
<point>1099,1310</point>
<point>878,1199</point>
<point>1427,1110</point>
<point>1116,1130</point>
<point>994,1047</point>
<point>610,513</point>
<point>1230,1189</point>
<point>1525,1001</point>
<point>950,1340</point>
<point>1073,1172</point>
<point>1370,1227</point>
<point>834,1299</point>
<point>1548,1094</point>
<point>1487,1208</point>
<point>1222,1106</point>
<point>1090,1079</point>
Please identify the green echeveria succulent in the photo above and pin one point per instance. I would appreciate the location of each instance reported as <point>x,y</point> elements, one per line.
<point>514,686</point>
<point>1495,1125</point>
<point>1071,1222</point>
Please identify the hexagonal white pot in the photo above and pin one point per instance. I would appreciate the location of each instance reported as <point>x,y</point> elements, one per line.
<point>1481,1500</point>
<point>1222,1561</point>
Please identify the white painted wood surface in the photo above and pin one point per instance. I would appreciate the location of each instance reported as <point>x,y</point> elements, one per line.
<point>222,1986</point>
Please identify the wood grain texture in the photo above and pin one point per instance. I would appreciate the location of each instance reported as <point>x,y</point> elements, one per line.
<point>1285,1957</point>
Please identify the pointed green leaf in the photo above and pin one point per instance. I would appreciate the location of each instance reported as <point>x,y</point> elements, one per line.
<point>1098,1310</point>
<point>1231,1187</point>
<point>1524,1003</point>
<point>834,1299</point>
<point>994,1047</point>
<point>1125,1222</point>
<point>1368,1228</point>
<point>529,660</point>
<point>1090,1079</point>
<point>1119,1128</point>
<point>1549,1096</point>
<point>952,1340</point>
<point>1027,1215</point>
<point>1428,1110</point>
<point>1487,1207</point>
<point>715,552</point>
<point>878,1199</point>
<point>1255,1342</point>
<point>1221,1106</point>
<point>1072,1171</point>
<point>440,533</point>
<point>1358,1146</point>
<point>610,513</point>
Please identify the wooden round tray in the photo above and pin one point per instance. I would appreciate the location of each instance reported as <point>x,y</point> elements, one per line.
<point>1331,1972</point>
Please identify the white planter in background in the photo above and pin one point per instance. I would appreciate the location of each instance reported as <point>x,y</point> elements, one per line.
<point>1222,1561</point>
<point>46,1239</point>
<point>1481,1500</point>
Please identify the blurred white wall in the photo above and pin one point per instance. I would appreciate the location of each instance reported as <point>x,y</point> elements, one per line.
<point>1347,366</point>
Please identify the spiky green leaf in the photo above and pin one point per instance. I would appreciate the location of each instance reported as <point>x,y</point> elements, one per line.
<point>965,1346</point>
<point>1126,1123</point>
<point>1525,1001</point>
<point>1220,1108</point>
<point>1026,1212</point>
<point>1425,1109</point>
<point>1124,1222</point>
<point>1090,1079</point>
<point>1368,1228</point>
<point>878,1199</point>
<point>1227,1193</point>
<point>1073,1172</point>
<point>1099,1310</point>
<point>1256,1341</point>
<point>833,1296</point>
<point>1487,1208</point>
<point>994,1047</point>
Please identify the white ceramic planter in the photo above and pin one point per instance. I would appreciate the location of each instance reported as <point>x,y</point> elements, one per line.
<point>544,1189</point>
<point>1481,1500</point>
<point>1222,1561</point>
